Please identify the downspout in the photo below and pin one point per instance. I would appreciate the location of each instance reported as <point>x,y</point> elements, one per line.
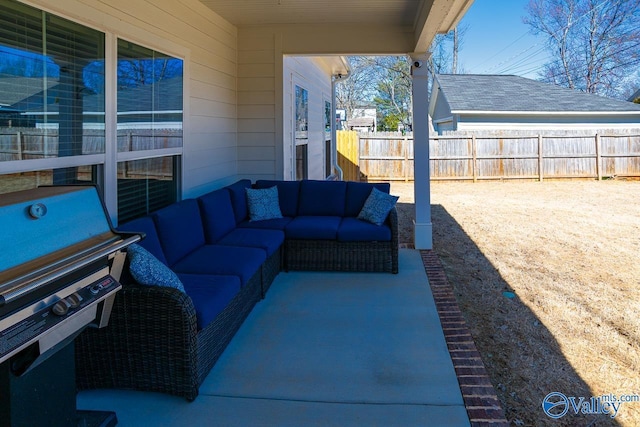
<point>334,142</point>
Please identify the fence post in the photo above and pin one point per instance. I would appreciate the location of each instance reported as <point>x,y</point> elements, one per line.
<point>540,159</point>
<point>598,158</point>
<point>405,145</point>
<point>356,155</point>
<point>474,153</point>
<point>130,140</point>
<point>19,140</point>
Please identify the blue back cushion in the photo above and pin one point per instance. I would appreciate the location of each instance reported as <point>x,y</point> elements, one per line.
<point>357,193</point>
<point>287,194</point>
<point>322,198</point>
<point>239,199</point>
<point>180,229</point>
<point>151,242</point>
<point>217,214</point>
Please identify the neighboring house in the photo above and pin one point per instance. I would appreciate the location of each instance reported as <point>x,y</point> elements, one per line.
<point>163,111</point>
<point>14,90</point>
<point>635,97</point>
<point>363,120</point>
<point>463,102</point>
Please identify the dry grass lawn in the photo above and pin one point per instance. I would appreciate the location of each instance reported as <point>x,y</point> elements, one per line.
<point>569,252</point>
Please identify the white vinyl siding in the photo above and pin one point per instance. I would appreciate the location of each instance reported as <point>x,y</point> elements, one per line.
<point>259,155</point>
<point>208,45</point>
<point>305,72</point>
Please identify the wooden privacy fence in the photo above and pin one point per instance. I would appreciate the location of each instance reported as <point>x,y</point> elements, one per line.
<point>472,157</point>
<point>34,143</point>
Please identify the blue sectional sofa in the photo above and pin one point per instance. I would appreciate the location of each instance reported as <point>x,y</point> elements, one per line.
<point>167,339</point>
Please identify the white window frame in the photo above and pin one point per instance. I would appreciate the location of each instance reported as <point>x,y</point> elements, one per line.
<point>109,160</point>
<point>297,81</point>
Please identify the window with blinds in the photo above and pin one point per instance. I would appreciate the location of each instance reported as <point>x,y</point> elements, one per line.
<point>149,118</point>
<point>328,164</point>
<point>149,99</point>
<point>51,85</point>
<point>145,186</point>
<point>87,174</point>
<point>302,132</point>
<point>52,108</point>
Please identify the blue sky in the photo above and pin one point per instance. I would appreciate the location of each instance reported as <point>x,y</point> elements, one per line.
<point>498,42</point>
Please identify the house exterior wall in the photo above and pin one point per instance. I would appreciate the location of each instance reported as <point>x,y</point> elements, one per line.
<point>308,74</point>
<point>208,45</point>
<point>441,109</point>
<point>441,118</point>
<point>266,79</point>
<point>259,108</point>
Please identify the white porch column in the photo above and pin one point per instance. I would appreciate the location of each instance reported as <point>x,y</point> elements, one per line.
<point>423,235</point>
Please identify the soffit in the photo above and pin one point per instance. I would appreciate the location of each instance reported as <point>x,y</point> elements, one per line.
<point>423,18</point>
<point>252,12</point>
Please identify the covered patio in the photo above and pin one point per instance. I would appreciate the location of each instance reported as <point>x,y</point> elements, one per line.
<point>323,349</point>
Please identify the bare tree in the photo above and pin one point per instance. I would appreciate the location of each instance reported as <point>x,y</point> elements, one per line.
<point>595,44</point>
<point>393,99</point>
<point>359,88</point>
<point>385,81</point>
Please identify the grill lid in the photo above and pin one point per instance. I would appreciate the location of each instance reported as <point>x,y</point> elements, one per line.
<point>48,232</point>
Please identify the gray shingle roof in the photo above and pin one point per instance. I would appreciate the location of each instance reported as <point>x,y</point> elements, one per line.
<point>474,92</point>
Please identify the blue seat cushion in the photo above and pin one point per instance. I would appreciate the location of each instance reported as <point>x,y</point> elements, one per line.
<point>313,227</point>
<point>322,198</point>
<point>239,199</point>
<point>217,214</point>
<point>357,193</point>
<point>150,242</point>
<point>180,229</point>
<point>269,240</point>
<point>223,260</point>
<point>268,224</point>
<point>287,194</point>
<point>210,294</point>
<point>355,230</point>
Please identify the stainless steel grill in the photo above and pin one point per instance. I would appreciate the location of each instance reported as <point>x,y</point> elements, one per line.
<point>60,262</point>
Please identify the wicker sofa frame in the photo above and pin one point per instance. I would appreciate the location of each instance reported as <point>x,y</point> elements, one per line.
<point>152,342</point>
<point>332,255</point>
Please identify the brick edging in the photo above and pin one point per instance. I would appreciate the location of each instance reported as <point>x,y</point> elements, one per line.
<point>480,398</point>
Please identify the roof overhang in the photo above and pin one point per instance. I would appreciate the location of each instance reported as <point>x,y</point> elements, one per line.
<point>346,27</point>
<point>334,65</point>
<point>437,17</point>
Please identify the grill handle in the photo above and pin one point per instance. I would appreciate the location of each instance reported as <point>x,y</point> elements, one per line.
<point>64,270</point>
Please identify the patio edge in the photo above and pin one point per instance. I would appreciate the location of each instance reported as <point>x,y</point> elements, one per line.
<point>480,398</point>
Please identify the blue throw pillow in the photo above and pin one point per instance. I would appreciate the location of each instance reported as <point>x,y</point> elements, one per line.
<point>263,203</point>
<point>377,207</point>
<point>147,270</point>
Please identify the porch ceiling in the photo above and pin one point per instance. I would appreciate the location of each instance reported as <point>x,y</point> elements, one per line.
<point>416,22</point>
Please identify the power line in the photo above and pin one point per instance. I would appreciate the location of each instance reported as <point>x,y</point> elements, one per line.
<point>535,53</point>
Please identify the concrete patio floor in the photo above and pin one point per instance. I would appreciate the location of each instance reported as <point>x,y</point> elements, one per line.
<point>330,349</point>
